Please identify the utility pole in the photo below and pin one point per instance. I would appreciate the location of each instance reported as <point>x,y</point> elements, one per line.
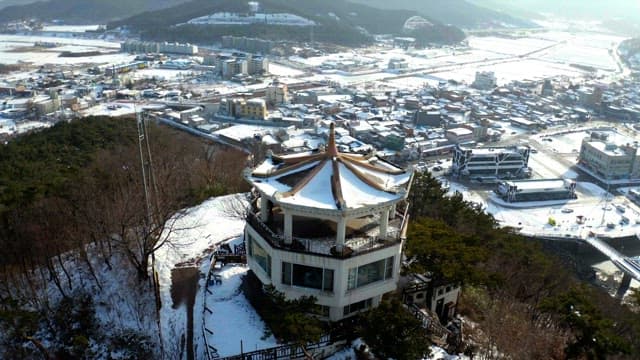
<point>148,180</point>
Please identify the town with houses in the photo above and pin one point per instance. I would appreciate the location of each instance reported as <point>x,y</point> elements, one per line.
<point>549,147</point>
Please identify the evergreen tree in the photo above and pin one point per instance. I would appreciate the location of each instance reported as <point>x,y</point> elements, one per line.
<point>392,332</point>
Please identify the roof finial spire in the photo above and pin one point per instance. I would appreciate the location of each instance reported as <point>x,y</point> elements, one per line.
<point>332,150</point>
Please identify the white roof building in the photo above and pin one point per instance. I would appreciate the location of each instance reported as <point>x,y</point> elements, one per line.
<point>324,224</point>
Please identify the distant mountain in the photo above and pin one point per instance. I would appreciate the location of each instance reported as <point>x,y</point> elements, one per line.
<point>460,13</point>
<point>80,11</point>
<point>338,21</point>
<point>620,16</point>
<point>593,10</point>
<point>5,3</point>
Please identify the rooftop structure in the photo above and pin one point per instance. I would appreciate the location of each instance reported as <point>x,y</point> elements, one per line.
<point>324,223</point>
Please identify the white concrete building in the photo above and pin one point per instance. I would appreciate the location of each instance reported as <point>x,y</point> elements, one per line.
<point>609,160</point>
<point>459,135</point>
<point>485,80</point>
<point>498,162</point>
<point>326,224</point>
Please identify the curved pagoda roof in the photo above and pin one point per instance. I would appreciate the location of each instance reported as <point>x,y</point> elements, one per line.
<point>331,180</point>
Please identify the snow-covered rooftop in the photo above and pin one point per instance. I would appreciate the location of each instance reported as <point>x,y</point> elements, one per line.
<point>328,179</point>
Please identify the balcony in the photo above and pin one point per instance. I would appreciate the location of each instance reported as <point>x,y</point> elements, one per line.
<point>317,237</point>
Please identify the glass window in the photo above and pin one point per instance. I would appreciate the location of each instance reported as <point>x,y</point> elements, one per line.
<point>351,281</point>
<point>358,306</point>
<point>286,273</point>
<point>307,276</point>
<point>370,273</point>
<point>388,271</point>
<point>327,282</point>
<point>260,256</point>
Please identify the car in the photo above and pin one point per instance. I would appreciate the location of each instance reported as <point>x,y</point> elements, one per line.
<point>437,168</point>
<point>567,210</point>
<point>534,151</point>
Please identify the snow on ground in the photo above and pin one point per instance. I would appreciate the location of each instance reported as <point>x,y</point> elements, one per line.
<point>200,228</point>
<point>8,55</point>
<point>533,217</point>
<point>52,57</point>
<point>437,353</point>
<point>111,109</point>
<point>25,40</point>
<point>282,70</point>
<point>164,74</point>
<point>516,46</point>
<point>512,70</point>
<point>233,319</point>
<point>70,28</point>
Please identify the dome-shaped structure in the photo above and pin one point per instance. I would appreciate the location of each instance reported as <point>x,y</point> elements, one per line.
<point>416,23</point>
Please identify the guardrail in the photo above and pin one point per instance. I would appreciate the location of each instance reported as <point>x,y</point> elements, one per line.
<point>301,245</point>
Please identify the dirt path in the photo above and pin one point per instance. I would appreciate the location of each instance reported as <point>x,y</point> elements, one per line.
<point>184,287</point>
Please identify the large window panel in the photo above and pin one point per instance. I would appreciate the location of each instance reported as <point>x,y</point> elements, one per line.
<point>260,256</point>
<point>307,276</point>
<point>370,273</point>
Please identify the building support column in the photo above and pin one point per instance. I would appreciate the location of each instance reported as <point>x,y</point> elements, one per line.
<point>392,213</point>
<point>288,228</point>
<point>624,286</point>
<point>341,233</point>
<point>264,209</point>
<point>384,223</point>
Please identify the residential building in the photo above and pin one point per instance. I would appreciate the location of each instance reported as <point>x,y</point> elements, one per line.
<point>241,108</point>
<point>459,135</point>
<point>498,162</point>
<point>325,224</point>
<point>277,93</point>
<point>231,67</point>
<point>429,116</point>
<point>397,64</point>
<point>438,296</point>
<point>609,160</point>
<point>485,80</point>
<point>253,109</point>
<point>134,46</point>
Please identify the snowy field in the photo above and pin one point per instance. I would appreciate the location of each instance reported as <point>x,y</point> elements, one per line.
<point>114,109</point>
<point>507,46</point>
<point>9,55</point>
<point>70,28</point>
<point>511,70</point>
<point>162,74</point>
<point>543,55</point>
<point>281,70</point>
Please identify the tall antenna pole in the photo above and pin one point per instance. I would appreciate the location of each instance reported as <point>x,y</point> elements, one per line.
<point>143,164</point>
<point>143,140</point>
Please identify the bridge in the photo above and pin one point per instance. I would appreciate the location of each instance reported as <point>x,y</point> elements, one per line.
<point>629,266</point>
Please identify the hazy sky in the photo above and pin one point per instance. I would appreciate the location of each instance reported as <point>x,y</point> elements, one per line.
<point>583,8</point>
